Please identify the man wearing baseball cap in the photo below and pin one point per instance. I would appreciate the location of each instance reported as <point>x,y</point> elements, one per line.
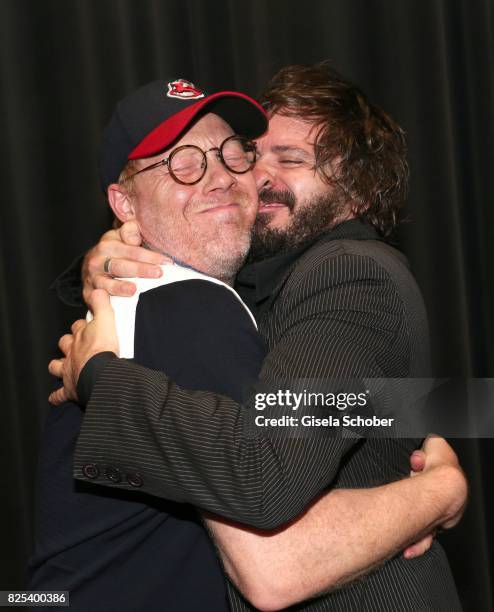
<point>178,160</point>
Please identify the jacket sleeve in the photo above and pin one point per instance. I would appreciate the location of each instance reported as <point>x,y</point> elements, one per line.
<point>190,446</point>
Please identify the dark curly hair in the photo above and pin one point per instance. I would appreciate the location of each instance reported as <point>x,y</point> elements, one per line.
<point>370,147</point>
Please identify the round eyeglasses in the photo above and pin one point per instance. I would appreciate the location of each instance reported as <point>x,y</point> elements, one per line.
<point>188,164</point>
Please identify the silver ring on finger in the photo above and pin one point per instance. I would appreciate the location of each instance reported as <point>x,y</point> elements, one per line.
<point>107,267</point>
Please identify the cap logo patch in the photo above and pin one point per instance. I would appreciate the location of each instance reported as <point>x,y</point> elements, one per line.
<point>183,90</point>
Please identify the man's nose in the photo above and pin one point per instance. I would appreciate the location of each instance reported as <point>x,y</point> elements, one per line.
<point>264,174</point>
<point>217,174</point>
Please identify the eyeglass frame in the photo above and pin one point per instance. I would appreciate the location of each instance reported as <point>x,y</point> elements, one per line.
<point>166,161</point>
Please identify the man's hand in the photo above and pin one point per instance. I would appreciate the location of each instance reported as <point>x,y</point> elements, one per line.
<point>86,340</point>
<point>436,451</point>
<point>120,252</point>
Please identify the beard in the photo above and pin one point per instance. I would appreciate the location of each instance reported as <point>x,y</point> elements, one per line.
<point>307,222</point>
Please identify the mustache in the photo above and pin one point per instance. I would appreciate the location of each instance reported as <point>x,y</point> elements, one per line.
<point>284,196</point>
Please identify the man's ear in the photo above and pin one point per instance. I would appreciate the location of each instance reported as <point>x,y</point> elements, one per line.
<point>121,203</point>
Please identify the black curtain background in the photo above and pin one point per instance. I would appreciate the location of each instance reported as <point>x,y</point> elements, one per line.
<point>64,64</point>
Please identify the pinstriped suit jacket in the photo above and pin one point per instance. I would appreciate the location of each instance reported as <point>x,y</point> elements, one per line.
<point>345,307</point>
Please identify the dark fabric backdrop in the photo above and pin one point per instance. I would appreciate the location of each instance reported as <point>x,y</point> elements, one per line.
<point>64,63</point>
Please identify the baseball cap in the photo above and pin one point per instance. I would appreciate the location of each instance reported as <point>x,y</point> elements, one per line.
<point>151,118</point>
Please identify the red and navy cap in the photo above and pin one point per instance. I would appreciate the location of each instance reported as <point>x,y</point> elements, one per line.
<point>153,117</point>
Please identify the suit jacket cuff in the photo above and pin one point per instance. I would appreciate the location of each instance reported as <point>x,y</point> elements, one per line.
<point>89,375</point>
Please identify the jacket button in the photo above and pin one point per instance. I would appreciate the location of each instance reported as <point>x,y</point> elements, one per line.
<point>113,474</point>
<point>90,470</point>
<point>135,480</point>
